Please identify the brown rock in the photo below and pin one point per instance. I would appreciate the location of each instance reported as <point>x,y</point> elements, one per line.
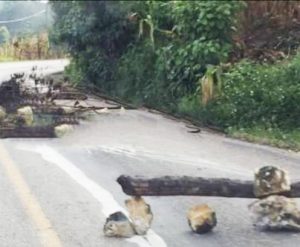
<point>140,214</point>
<point>270,180</point>
<point>201,219</point>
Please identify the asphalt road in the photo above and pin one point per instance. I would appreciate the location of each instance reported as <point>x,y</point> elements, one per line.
<point>58,192</point>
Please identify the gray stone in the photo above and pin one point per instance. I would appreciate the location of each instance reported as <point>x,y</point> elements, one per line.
<point>276,213</point>
<point>118,225</point>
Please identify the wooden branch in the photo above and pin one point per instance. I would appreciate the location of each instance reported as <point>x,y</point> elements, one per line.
<point>191,186</point>
<point>27,132</point>
<point>70,96</point>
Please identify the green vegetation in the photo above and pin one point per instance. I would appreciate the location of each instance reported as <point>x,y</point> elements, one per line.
<point>4,35</point>
<point>178,56</point>
<point>289,139</point>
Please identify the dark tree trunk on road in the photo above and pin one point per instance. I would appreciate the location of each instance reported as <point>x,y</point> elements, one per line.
<point>27,132</point>
<point>191,186</point>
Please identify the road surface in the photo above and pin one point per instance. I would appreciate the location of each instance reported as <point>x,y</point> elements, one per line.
<point>58,192</point>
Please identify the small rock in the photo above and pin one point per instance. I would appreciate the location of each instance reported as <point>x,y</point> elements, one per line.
<point>201,219</point>
<point>122,110</point>
<point>103,111</point>
<point>2,113</point>
<point>68,109</point>
<point>26,114</point>
<point>270,180</point>
<point>63,129</point>
<point>140,214</point>
<point>276,213</point>
<point>118,225</point>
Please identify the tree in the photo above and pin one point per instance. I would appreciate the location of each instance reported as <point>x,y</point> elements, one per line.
<point>4,35</point>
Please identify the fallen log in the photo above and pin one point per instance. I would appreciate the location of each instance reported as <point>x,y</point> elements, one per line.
<point>51,110</point>
<point>192,186</point>
<point>97,92</point>
<point>27,132</point>
<point>69,96</point>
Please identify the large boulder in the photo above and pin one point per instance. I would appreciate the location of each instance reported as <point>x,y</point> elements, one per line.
<point>2,113</point>
<point>201,219</point>
<point>140,214</point>
<point>25,114</point>
<point>276,213</point>
<point>63,129</point>
<point>271,180</point>
<point>118,225</point>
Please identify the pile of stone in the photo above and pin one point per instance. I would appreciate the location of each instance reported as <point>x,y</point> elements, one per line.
<point>138,221</point>
<point>273,210</point>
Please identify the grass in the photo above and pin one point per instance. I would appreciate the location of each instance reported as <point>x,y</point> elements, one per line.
<point>287,139</point>
<point>6,59</point>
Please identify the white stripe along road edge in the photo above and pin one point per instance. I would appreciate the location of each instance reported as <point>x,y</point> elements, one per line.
<point>109,204</point>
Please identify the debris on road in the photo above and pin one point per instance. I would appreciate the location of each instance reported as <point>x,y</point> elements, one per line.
<point>201,218</point>
<point>34,100</point>
<point>193,129</point>
<point>118,225</point>
<point>186,186</point>
<point>272,211</point>
<point>271,180</point>
<point>276,213</point>
<point>140,214</point>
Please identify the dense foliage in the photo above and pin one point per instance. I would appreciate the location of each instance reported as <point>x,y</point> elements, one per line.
<point>118,43</point>
<point>174,55</point>
<point>254,95</point>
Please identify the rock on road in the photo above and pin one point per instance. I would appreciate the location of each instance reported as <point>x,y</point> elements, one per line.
<point>58,192</point>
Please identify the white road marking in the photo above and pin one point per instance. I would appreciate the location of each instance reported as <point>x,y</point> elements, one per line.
<point>109,204</point>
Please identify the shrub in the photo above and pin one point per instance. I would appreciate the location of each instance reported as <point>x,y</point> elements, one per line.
<point>255,94</point>
<point>4,35</point>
